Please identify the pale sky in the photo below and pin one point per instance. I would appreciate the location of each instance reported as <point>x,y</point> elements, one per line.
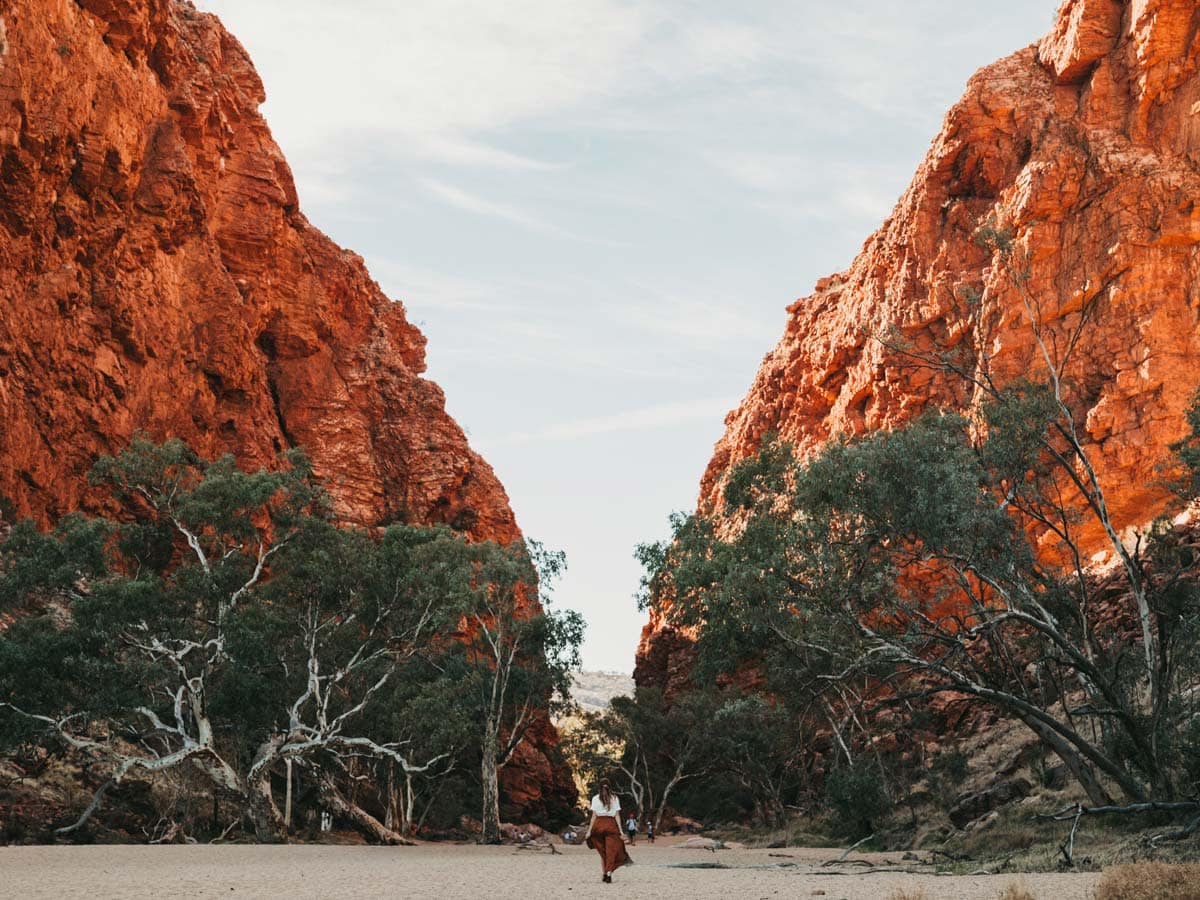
<point>597,210</point>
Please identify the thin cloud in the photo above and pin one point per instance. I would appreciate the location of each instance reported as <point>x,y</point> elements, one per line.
<point>706,323</point>
<point>647,419</point>
<point>432,75</point>
<point>453,150</point>
<point>472,203</point>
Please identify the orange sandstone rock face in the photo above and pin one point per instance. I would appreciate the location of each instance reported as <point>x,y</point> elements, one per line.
<point>1086,148</point>
<point>156,274</point>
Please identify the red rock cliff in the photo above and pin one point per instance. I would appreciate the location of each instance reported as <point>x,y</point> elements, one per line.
<point>156,274</point>
<point>1086,147</point>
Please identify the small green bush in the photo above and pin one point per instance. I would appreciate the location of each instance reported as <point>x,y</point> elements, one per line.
<point>856,797</point>
<point>951,765</point>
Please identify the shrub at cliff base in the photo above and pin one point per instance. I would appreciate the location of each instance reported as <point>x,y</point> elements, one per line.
<point>1150,881</point>
<point>857,797</point>
<point>225,631</point>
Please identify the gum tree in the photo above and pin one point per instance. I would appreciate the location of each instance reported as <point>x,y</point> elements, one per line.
<point>517,653</point>
<point>225,625</point>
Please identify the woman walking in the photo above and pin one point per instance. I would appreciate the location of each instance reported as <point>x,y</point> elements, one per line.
<point>604,832</point>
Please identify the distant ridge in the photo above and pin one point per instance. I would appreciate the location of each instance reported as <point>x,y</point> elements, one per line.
<point>593,690</point>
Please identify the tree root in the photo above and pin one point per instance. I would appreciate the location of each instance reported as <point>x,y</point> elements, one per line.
<point>363,820</point>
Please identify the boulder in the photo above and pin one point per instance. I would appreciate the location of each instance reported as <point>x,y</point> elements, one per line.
<point>969,807</point>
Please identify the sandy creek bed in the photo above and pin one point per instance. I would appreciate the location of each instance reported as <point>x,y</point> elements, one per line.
<point>464,871</point>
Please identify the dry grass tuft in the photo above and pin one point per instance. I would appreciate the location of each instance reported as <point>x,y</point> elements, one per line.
<point>1151,881</point>
<point>1016,891</point>
<point>916,893</point>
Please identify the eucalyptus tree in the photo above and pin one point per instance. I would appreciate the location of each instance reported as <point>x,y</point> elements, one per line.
<point>905,563</point>
<point>224,625</point>
<point>650,747</point>
<point>518,654</point>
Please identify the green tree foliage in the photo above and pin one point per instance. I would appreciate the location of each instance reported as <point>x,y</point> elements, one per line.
<point>648,747</point>
<point>955,554</point>
<point>901,563</point>
<point>759,745</point>
<point>709,752</point>
<point>227,626</point>
<point>856,795</point>
<point>516,653</point>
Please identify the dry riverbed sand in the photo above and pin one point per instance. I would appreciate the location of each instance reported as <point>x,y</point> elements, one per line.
<point>458,872</point>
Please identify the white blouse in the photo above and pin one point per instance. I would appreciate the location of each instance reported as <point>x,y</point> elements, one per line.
<point>613,809</point>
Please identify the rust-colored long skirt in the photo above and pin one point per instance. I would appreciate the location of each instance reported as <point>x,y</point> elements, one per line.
<point>606,840</point>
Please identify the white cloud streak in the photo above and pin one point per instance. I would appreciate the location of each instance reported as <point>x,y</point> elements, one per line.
<point>646,419</point>
<point>480,206</point>
<point>430,74</point>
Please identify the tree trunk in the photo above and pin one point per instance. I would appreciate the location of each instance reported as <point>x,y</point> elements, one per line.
<point>410,800</point>
<point>662,803</point>
<point>490,780</point>
<point>370,826</point>
<point>287,803</point>
<point>390,808</point>
<point>268,821</point>
<point>1078,766</point>
<point>768,811</point>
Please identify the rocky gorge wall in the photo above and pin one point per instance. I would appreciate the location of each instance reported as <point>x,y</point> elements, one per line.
<point>1085,148</point>
<point>157,275</point>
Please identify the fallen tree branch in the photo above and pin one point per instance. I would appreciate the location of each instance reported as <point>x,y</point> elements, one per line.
<point>366,823</point>
<point>1069,812</point>
<point>953,857</point>
<point>171,831</point>
<point>847,851</point>
<point>994,870</point>
<point>1077,811</point>
<point>91,809</point>
<point>1181,834</point>
<point>878,870</point>
<point>224,834</point>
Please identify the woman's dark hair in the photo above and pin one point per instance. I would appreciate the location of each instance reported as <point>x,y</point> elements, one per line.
<point>605,792</point>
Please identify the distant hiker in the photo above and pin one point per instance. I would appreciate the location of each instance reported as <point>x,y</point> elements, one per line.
<point>604,834</point>
<point>631,827</point>
<point>650,830</point>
